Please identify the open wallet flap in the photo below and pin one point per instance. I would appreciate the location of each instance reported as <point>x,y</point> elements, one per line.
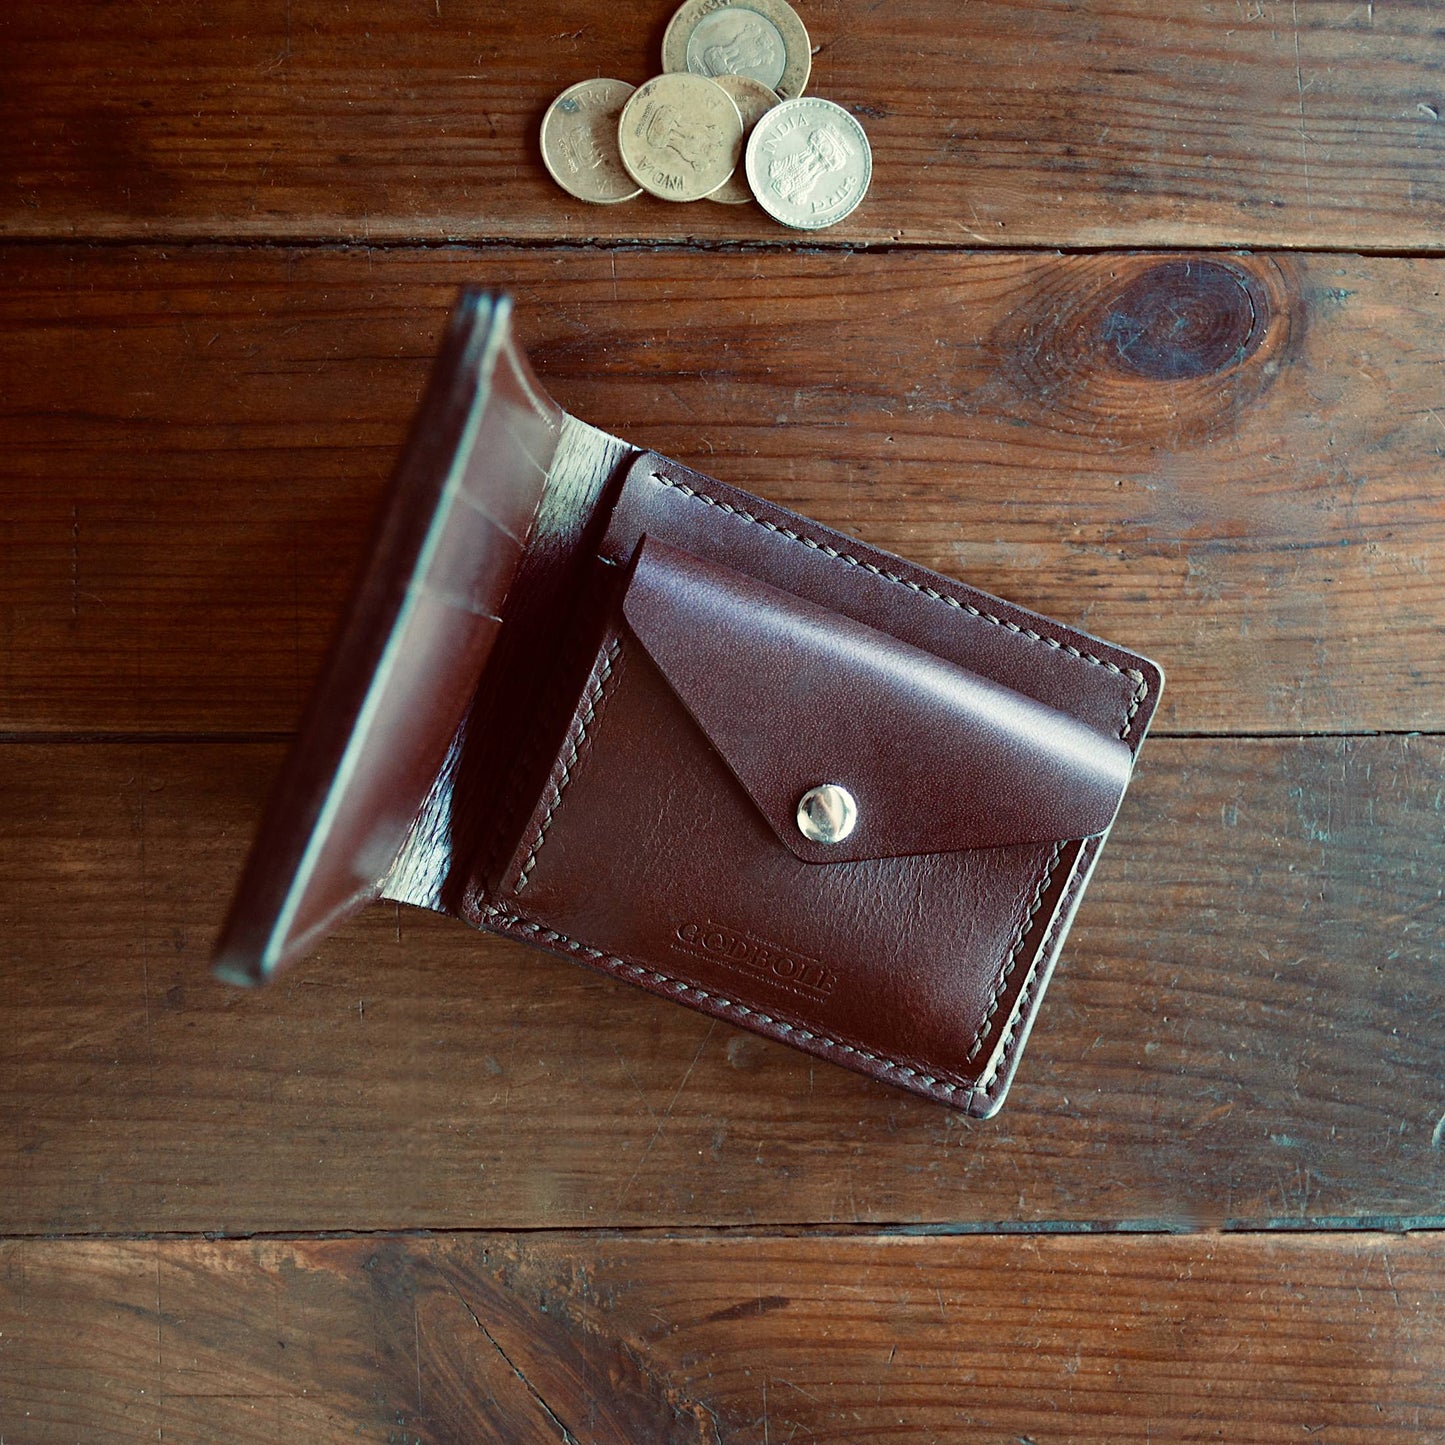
<point>424,616</point>
<point>582,694</point>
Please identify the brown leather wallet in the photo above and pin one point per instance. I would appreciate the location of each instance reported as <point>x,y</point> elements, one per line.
<point>600,703</point>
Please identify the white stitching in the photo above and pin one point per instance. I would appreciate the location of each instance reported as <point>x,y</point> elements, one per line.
<point>609,961</point>
<point>575,743</point>
<point>1141,691</point>
<point>1132,674</point>
<point>1021,1005</point>
<point>1013,957</point>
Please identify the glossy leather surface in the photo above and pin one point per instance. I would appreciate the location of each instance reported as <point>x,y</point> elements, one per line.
<point>423,620</point>
<point>746,653</point>
<point>792,695</point>
<point>578,699</point>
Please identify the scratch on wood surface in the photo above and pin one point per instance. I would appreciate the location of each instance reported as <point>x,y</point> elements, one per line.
<point>1390,1277</point>
<point>632,1079</point>
<point>666,1114</point>
<point>145,963</point>
<point>159,1375</point>
<point>1300,88</point>
<point>1438,1133</point>
<point>807,1394</point>
<point>507,1072</point>
<point>285,53</point>
<point>568,1437</point>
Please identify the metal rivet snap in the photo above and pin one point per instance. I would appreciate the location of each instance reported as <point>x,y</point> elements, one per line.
<point>827,814</point>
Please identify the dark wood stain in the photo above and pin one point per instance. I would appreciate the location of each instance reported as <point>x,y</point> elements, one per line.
<point>1149,354</point>
<point>748,1309</point>
<point>1185,319</point>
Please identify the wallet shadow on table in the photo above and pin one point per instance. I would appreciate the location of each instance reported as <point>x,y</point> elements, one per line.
<point>595,701</point>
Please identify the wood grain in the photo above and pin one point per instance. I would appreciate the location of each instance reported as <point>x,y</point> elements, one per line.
<point>992,124</point>
<point>234,233</point>
<point>583,1338</point>
<point>1228,462</point>
<point>1246,1028</point>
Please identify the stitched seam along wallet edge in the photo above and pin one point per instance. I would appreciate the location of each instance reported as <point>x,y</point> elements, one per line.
<point>510,529</point>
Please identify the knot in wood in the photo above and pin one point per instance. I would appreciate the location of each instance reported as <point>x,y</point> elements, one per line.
<point>1183,319</point>
<point>1146,352</point>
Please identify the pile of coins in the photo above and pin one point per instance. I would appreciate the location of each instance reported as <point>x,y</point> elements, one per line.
<point>726,121</point>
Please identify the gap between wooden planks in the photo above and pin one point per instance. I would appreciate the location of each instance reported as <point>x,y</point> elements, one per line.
<point>1228,462</point>
<point>995,124</point>
<point>187,526</point>
<point>584,1338</point>
<point>1246,1029</point>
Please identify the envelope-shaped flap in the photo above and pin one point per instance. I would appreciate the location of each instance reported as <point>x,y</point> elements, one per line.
<point>795,697</point>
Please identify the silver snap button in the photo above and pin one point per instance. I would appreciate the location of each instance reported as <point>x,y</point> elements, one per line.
<point>827,814</point>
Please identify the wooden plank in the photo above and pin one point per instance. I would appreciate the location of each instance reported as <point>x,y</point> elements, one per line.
<point>584,1338</point>
<point>1009,123</point>
<point>1246,1028</point>
<point>1230,463</point>
<point>74,1355</point>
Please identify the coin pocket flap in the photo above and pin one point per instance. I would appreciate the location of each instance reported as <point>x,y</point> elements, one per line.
<point>793,696</point>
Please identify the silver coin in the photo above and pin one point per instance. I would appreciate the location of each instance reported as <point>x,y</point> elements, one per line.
<point>738,41</point>
<point>753,100</point>
<point>764,39</point>
<point>680,136</point>
<point>579,142</point>
<point>808,163</point>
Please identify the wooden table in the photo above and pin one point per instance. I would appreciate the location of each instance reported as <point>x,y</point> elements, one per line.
<point>1142,325</point>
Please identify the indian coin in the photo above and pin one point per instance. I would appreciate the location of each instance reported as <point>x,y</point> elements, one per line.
<point>680,136</point>
<point>579,142</point>
<point>761,38</point>
<point>808,163</point>
<point>753,100</point>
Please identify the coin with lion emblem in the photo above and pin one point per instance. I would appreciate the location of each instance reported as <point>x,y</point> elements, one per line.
<point>680,136</point>
<point>579,142</point>
<point>764,39</point>
<point>808,163</point>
